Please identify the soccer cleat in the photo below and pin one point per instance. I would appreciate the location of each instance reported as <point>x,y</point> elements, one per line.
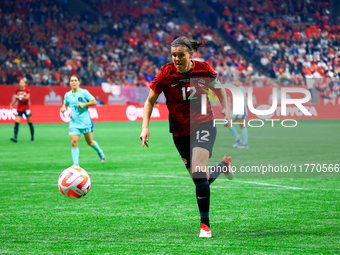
<point>243,146</point>
<point>102,157</point>
<point>238,141</point>
<point>14,140</point>
<point>205,231</point>
<point>229,173</point>
<point>32,140</point>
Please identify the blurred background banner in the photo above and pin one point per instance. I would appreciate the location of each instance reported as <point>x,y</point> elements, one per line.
<point>51,113</point>
<point>48,95</point>
<point>126,104</point>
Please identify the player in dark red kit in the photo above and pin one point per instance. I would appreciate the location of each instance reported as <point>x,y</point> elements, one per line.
<point>22,95</point>
<point>193,133</point>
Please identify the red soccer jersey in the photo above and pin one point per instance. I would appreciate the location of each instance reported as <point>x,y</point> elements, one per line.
<point>183,92</point>
<point>22,103</point>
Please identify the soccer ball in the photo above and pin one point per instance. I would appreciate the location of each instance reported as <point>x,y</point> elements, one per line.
<point>74,182</point>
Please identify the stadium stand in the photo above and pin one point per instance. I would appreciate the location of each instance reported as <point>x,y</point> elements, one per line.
<point>44,43</point>
<point>294,40</point>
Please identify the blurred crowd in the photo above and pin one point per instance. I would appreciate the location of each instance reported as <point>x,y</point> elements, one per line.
<point>45,44</point>
<point>297,41</point>
<point>293,39</point>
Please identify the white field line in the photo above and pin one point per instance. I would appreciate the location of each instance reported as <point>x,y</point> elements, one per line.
<point>165,176</point>
<point>263,186</point>
<point>138,185</point>
<point>268,184</point>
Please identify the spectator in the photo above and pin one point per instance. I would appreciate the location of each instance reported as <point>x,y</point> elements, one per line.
<point>99,102</point>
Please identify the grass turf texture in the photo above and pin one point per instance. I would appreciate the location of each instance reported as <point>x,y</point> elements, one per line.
<point>142,200</point>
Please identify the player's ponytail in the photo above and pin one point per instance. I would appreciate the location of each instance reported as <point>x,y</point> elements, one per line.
<point>190,44</point>
<point>196,45</point>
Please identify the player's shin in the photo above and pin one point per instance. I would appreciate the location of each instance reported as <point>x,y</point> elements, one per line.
<point>99,151</point>
<point>97,148</point>
<point>16,129</point>
<point>202,195</point>
<point>245,135</point>
<point>32,130</point>
<point>216,170</point>
<point>234,132</point>
<point>75,156</point>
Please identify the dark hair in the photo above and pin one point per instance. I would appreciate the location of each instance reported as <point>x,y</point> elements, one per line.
<point>75,76</point>
<point>190,44</point>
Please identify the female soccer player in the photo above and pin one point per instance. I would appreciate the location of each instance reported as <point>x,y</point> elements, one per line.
<point>79,100</point>
<point>22,95</point>
<point>194,135</point>
<point>241,120</point>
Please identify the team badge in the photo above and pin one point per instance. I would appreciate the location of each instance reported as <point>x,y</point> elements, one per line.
<point>184,161</point>
<point>201,83</point>
<point>79,99</point>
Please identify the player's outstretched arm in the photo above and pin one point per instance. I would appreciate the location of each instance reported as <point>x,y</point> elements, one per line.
<point>148,106</point>
<point>223,95</point>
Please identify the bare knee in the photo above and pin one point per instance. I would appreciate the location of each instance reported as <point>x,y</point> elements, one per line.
<point>242,123</point>
<point>90,143</point>
<point>199,172</point>
<point>198,166</point>
<point>199,161</point>
<point>74,143</point>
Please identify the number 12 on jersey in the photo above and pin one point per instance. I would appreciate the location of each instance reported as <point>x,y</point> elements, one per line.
<point>188,89</point>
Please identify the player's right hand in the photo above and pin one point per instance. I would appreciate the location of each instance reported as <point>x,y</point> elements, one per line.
<point>63,109</point>
<point>227,117</point>
<point>144,136</point>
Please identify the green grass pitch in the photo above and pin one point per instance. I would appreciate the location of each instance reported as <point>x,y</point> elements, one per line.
<point>143,202</point>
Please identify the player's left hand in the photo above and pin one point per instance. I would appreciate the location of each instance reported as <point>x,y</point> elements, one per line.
<point>227,117</point>
<point>144,136</point>
<point>81,105</point>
